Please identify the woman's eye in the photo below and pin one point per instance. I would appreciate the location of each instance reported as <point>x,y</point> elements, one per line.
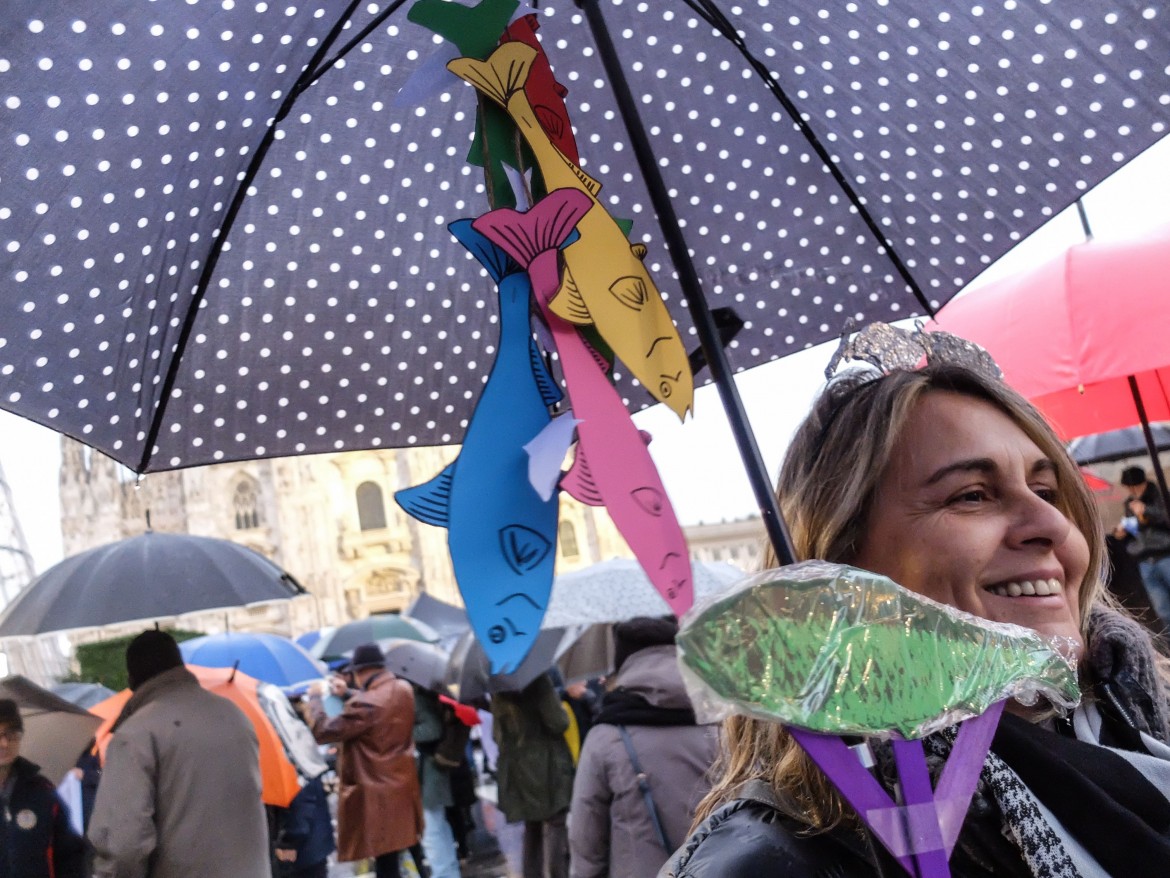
<point>975,495</point>
<point>1049,495</point>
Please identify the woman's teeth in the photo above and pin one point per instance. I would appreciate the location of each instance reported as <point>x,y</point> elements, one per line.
<point>1028,588</point>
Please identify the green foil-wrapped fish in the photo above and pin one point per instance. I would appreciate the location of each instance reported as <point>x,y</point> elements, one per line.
<point>835,649</point>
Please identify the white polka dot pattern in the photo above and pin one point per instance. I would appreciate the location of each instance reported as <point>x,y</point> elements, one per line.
<point>341,314</point>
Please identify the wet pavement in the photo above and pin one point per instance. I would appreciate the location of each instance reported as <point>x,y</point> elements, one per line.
<point>496,847</point>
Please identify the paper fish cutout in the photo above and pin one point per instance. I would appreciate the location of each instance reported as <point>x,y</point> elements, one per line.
<point>547,452</point>
<point>476,31</point>
<point>612,467</point>
<point>605,282</point>
<point>545,94</point>
<point>834,649</point>
<point>501,534</point>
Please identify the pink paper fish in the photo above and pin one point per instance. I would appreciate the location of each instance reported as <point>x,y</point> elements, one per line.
<point>612,467</point>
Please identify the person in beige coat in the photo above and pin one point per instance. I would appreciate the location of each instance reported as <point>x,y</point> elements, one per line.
<point>611,831</point>
<point>379,807</point>
<point>180,792</point>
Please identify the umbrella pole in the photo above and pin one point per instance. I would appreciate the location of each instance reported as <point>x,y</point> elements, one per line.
<point>705,327</point>
<point>1151,446</point>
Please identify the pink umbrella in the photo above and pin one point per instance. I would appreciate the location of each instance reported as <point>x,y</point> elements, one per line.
<point>1083,336</point>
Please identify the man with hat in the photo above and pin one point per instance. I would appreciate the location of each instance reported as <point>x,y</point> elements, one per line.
<point>180,793</point>
<point>37,838</point>
<point>1146,531</point>
<point>379,809</point>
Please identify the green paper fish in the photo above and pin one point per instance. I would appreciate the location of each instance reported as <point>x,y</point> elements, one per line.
<point>839,650</point>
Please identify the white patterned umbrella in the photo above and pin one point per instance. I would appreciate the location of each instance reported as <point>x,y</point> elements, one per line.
<point>222,236</point>
<point>618,589</point>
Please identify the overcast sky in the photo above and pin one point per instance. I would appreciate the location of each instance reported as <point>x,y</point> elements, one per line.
<point>698,459</point>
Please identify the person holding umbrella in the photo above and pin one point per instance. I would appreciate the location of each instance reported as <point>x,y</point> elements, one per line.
<point>37,839</point>
<point>379,811</point>
<point>1145,529</point>
<point>951,484</point>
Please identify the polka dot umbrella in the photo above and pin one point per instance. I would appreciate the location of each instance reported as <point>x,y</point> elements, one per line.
<point>222,229</point>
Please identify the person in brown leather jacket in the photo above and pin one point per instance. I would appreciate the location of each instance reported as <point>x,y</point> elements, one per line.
<point>379,811</point>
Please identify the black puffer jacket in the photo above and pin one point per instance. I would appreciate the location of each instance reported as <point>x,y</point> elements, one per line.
<point>756,834</point>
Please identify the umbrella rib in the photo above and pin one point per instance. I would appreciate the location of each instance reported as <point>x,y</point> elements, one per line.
<point>308,76</point>
<point>348,47</point>
<point>707,10</point>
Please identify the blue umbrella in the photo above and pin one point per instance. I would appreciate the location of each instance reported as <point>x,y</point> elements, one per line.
<point>309,638</point>
<point>266,657</point>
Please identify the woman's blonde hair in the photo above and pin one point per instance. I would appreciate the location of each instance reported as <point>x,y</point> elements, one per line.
<point>826,488</point>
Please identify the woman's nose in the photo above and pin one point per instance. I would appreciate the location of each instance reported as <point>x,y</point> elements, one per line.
<point>1036,520</point>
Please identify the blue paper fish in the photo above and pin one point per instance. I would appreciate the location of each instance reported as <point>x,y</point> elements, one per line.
<point>501,534</point>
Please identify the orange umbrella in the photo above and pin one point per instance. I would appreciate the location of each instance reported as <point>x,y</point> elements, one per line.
<point>277,774</point>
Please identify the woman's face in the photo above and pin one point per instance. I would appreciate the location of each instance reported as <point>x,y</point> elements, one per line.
<point>966,514</point>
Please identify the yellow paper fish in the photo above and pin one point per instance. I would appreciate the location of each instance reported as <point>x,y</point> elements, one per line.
<point>605,282</point>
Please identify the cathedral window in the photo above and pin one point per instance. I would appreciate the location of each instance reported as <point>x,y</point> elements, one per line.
<point>568,540</point>
<point>371,507</point>
<point>247,505</point>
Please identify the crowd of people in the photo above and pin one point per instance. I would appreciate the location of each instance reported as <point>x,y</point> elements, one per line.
<point>941,478</point>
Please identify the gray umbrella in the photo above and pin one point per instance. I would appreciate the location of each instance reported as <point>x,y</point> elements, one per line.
<point>1118,444</point>
<point>424,664</point>
<point>55,730</point>
<point>146,577</point>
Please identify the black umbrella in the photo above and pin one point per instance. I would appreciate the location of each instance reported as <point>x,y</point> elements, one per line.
<point>380,626</point>
<point>146,577</point>
<point>224,238</point>
<point>1118,444</point>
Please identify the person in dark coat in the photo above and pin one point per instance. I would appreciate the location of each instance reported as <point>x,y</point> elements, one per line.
<point>1145,528</point>
<point>304,838</point>
<point>38,840</point>
<point>951,484</point>
<point>535,773</point>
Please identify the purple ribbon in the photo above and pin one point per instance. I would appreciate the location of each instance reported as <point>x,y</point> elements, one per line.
<point>922,832</point>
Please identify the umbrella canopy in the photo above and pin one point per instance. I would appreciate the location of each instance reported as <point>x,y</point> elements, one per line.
<point>278,775</point>
<point>225,244</point>
<point>380,626</point>
<point>424,664</point>
<point>1117,444</point>
<point>56,731</point>
<point>447,620</point>
<point>469,675</point>
<point>267,657</point>
<point>307,640</point>
<point>618,589</point>
<point>82,694</point>
<point>145,577</point>
<point>1070,333</point>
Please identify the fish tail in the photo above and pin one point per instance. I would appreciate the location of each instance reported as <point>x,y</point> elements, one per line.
<point>497,261</point>
<point>525,235</point>
<point>503,73</point>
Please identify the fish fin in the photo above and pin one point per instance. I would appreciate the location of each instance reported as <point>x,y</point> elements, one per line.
<point>639,251</point>
<point>550,393</point>
<point>429,502</point>
<point>549,223</point>
<point>474,30</point>
<point>497,262</point>
<point>626,225</point>
<point>631,291</point>
<point>549,120</point>
<point>569,304</point>
<point>523,548</point>
<point>578,482</point>
<point>503,73</point>
<point>598,357</point>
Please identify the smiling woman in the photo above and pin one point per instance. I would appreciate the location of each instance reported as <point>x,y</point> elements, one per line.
<point>950,483</point>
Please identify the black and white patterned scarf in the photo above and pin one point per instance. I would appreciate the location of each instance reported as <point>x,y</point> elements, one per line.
<point>1120,662</point>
